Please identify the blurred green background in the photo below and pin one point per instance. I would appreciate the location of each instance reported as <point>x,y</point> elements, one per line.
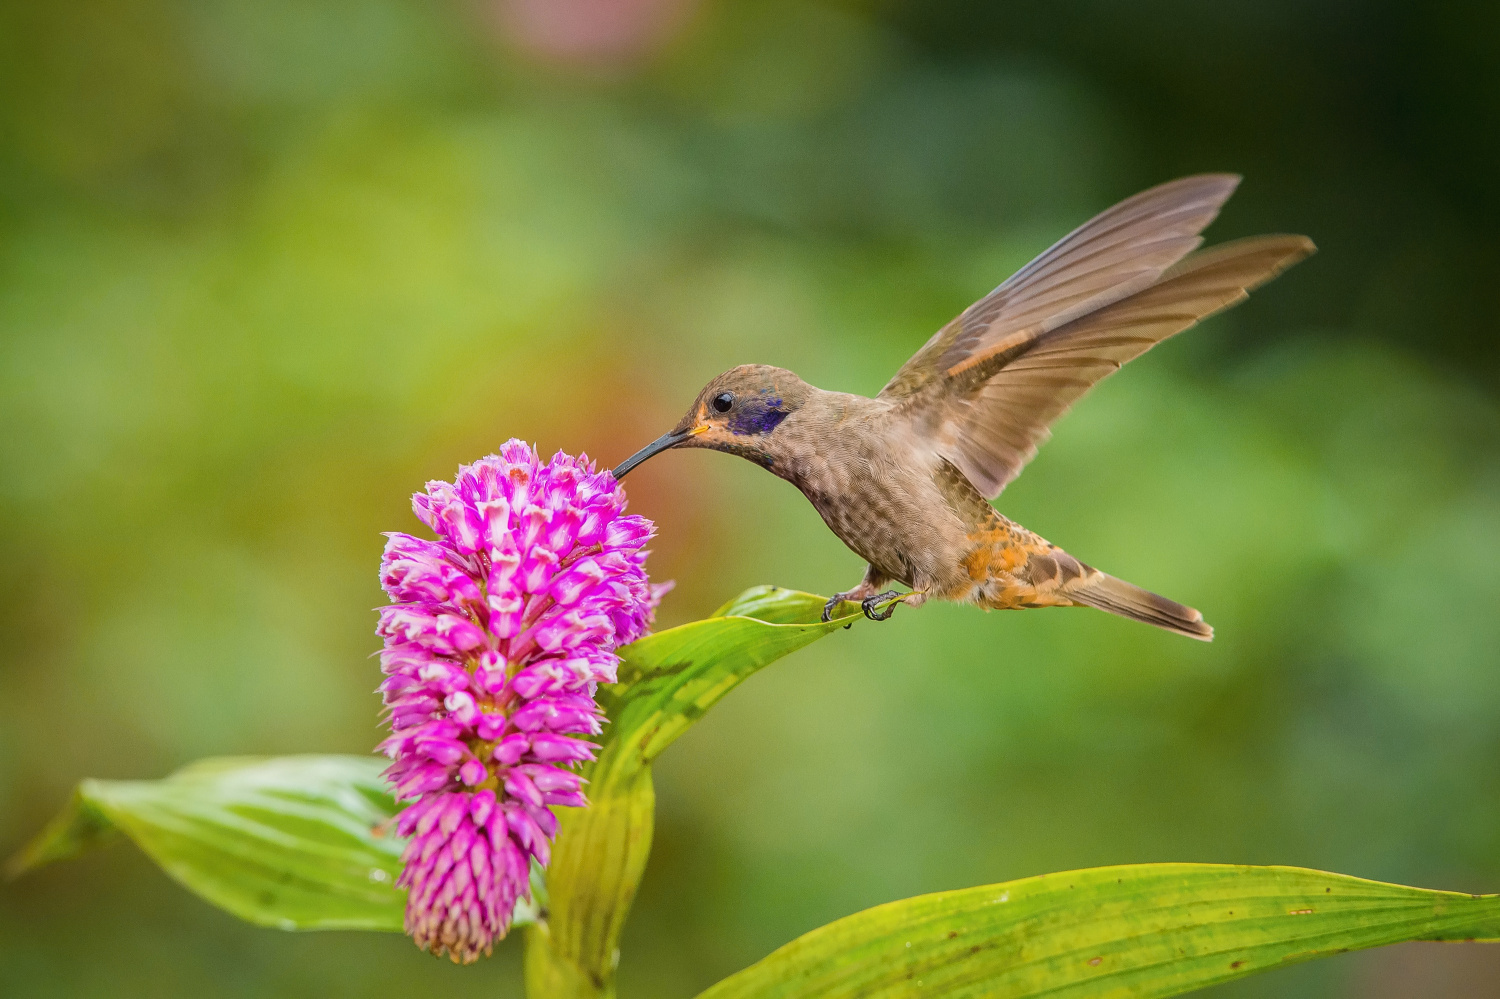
<point>266,267</point>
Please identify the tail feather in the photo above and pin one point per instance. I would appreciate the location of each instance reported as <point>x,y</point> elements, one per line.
<point>1107,593</point>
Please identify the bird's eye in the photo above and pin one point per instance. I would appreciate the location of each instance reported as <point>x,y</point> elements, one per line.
<point>723,401</point>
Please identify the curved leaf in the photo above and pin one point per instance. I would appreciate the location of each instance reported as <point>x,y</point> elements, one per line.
<point>1140,931</point>
<point>294,842</point>
<point>778,605</point>
<point>670,679</point>
<point>667,682</point>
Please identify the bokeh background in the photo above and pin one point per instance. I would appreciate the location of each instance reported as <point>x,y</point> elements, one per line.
<point>268,265</point>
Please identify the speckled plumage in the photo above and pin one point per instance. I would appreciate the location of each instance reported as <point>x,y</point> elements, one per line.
<point>904,478</point>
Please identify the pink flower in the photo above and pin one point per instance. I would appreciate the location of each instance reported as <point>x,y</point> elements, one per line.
<point>496,638</point>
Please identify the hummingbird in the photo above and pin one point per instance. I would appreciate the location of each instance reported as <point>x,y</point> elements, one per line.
<point>905,479</point>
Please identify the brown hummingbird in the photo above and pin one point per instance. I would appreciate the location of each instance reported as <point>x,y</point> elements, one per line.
<point>905,479</point>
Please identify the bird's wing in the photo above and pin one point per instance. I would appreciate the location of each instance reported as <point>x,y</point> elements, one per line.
<point>994,419</point>
<point>1118,252</point>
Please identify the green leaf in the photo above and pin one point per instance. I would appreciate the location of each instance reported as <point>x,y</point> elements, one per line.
<point>667,682</point>
<point>77,828</point>
<point>670,679</point>
<point>778,605</point>
<point>296,842</point>
<point>1140,931</point>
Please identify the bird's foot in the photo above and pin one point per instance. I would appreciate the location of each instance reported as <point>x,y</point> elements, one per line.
<point>868,605</point>
<point>854,596</point>
<point>835,600</point>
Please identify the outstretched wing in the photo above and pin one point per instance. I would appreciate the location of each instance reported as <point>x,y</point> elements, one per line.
<point>993,419</point>
<point>1116,253</point>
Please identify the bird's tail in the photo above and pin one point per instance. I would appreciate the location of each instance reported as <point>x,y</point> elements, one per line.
<point>1107,593</point>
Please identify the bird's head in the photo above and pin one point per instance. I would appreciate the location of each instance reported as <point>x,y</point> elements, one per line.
<point>738,412</point>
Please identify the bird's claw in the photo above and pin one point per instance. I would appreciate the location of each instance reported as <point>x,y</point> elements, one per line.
<point>868,605</point>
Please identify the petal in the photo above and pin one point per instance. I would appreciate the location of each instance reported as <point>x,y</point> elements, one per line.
<point>511,749</point>
<point>550,778</point>
<point>537,569</point>
<point>559,748</point>
<point>519,786</point>
<point>491,725</point>
<point>482,807</point>
<point>462,708</point>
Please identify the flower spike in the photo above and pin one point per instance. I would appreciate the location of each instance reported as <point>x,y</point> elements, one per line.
<point>496,638</point>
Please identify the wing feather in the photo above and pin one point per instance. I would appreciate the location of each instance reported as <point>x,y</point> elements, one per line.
<point>1113,255</point>
<point>994,420</point>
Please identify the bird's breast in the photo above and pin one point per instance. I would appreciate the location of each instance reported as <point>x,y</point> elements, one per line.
<point>880,498</point>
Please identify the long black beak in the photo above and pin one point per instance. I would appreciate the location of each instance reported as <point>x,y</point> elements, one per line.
<point>655,447</point>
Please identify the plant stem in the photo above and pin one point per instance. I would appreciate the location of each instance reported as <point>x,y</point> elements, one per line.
<point>549,975</point>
